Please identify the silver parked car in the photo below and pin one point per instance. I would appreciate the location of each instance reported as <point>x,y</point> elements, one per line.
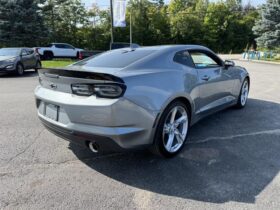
<point>143,97</point>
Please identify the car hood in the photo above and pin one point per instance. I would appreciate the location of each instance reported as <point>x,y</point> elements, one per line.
<point>3,58</point>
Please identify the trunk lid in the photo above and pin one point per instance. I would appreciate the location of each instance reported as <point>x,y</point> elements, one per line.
<point>62,79</point>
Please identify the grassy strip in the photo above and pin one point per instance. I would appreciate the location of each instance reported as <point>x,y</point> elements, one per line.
<point>270,59</point>
<point>56,63</point>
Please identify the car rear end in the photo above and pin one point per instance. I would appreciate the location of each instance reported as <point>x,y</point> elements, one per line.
<point>86,108</point>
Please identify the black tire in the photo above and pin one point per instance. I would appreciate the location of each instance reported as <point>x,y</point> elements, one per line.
<point>48,55</point>
<point>158,147</point>
<point>38,66</point>
<point>240,104</point>
<point>19,69</point>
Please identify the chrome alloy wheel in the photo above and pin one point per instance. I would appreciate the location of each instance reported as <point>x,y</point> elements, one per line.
<point>175,129</point>
<point>244,93</point>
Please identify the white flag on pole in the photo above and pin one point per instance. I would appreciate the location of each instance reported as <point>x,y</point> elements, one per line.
<point>119,10</point>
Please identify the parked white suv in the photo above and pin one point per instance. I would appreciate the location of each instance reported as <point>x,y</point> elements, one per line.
<point>58,50</point>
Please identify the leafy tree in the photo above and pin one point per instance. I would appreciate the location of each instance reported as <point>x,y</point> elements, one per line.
<point>142,33</point>
<point>159,24</point>
<point>21,23</point>
<point>73,16</point>
<point>215,25</point>
<point>267,28</point>
<point>51,14</point>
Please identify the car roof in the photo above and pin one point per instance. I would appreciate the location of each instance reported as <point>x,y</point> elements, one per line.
<point>60,43</point>
<point>171,47</point>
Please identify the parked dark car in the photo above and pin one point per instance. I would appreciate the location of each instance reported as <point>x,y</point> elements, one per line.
<point>17,60</point>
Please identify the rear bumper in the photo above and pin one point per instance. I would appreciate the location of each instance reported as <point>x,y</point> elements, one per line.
<point>117,138</point>
<point>112,124</point>
<point>80,138</point>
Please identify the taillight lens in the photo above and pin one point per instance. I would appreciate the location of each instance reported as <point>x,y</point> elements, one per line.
<point>100,90</point>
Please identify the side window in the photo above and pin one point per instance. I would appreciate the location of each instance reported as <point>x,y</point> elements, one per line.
<point>183,58</point>
<point>24,52</point>
<point>68,46</point>
<point>59,46</point>
<point>30,51</point>
<point>202,60</point>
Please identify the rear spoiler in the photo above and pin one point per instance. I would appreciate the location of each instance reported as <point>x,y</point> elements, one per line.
<point>56,73</point>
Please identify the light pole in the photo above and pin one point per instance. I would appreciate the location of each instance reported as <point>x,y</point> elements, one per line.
<point>112,22</point>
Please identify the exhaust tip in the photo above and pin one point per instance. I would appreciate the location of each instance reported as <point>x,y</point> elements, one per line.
<point>93,146</point>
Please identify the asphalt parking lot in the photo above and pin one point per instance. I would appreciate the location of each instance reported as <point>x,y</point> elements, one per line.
<point>231,162</point>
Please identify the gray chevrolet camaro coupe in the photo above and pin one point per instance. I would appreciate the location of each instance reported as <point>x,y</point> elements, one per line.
<point>143,97</point>
<point>16,60</point>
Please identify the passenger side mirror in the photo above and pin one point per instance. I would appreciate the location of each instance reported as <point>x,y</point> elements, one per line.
<point>229,63</point>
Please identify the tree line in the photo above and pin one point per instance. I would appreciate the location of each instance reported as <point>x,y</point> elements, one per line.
<point>224,26</point>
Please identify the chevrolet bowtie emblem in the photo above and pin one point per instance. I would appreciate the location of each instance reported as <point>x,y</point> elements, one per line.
<point>53,86</point>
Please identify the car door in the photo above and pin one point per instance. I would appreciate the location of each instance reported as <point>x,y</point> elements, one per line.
<point>64,50</point>
<point>215,85</point>
<point>59,50</point>
<point>25,59</point>
<point>32,57</point>
<point>70,50</point>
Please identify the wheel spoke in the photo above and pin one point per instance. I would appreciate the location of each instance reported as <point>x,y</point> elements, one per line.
<point>173,115</point>
<point>182,119</point>
<point>170,141</point>
<point>179,136</point>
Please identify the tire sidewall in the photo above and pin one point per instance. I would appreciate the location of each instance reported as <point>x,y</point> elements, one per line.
<point>48,55</point>
<point>158,146</point>
<point>239,104</point>
<point>17,69</point>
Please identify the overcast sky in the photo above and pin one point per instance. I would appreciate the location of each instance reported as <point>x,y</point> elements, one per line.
<point>105,3</point>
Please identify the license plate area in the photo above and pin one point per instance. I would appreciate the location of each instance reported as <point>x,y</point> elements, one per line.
<point>51,111</point>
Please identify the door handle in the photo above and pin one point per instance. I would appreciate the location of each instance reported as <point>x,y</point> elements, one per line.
<point>205,78</point>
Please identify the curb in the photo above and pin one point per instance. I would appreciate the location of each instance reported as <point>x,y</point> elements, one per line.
<point>260,61</point>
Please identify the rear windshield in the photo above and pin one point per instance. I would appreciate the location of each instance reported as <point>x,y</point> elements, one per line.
<point>115,58</point>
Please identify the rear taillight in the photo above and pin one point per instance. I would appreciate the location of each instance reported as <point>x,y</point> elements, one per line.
<point>111,90</point>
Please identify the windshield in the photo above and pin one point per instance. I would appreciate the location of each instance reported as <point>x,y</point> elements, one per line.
<point>115,58</point>
<point>9,52</point>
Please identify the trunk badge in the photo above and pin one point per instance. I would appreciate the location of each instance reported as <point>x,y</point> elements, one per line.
<point>53,86</point>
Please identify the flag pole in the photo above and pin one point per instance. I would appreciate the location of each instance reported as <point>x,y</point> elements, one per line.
<point>112,22</point>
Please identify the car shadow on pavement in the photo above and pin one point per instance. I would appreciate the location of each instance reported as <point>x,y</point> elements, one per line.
<point>232,156</point>
<point>27,73</point>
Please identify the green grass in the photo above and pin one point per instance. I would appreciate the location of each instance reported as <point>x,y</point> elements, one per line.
<point>271,59</point>
<point>57,63</point>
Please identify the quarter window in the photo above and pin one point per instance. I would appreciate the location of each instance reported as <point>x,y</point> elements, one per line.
<point>183,57</point>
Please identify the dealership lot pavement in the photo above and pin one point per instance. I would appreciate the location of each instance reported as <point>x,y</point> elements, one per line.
<point>231,162</point>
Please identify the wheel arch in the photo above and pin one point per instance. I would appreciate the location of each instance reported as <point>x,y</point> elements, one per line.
<point>249,81</point>
<point>48,51</point>
<point>183,99</point>
<point>20,63</point>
